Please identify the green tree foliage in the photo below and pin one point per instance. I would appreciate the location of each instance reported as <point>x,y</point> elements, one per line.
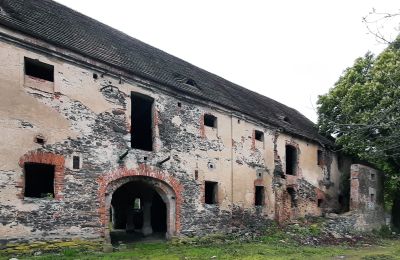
<point>362,112</point>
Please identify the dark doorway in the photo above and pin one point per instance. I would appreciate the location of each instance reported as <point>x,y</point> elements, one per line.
<point>158,214</point>
<point>39,180</point>
<point>128,213</point>
<point>141,125</point>
<point>293,197</point>
<point>291,160</point>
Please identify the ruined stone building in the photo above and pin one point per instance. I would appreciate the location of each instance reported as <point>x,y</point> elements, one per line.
<point>101,132</point>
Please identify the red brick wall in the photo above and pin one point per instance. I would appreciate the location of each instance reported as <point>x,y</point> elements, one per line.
<point>142,170</point>
<point>45,158</point>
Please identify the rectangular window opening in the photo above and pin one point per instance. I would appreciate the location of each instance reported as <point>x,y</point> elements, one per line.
<point>293,197</point>
<point>76,162</point>
<point>320,201</point>
<point>40,70</point>
<point>259,196</point>
<point>259,136</point>
<point>210,121</point>
<point>39,180</point>
<point>372,176</point>
<point>136,204</point>
<point>141,122</point>
<point>372,197</point>
<point>320,158</point>
<point>291,160</point>
<point>211,192</point>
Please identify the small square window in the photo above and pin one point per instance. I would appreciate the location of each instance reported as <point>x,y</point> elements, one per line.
<point>40,139</point>
<point>40,70</point>
<point>211,192</point>
<point>258,135</point>
<point>210,121</point>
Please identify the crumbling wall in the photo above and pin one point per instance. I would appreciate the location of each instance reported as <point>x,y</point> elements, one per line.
<point>366,197</point>
<point>315,186</point>
<point>88,114</point>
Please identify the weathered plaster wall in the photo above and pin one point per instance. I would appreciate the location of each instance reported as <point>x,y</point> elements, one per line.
<point>91,118</point>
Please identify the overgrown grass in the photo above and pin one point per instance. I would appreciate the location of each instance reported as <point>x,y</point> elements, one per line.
<point>269,247</point>
<point>254,250</point>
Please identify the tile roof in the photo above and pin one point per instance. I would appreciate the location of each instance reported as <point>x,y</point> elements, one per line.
<point>61,26</point>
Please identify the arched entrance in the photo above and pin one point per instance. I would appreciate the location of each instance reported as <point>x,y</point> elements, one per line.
<point>139,207</point>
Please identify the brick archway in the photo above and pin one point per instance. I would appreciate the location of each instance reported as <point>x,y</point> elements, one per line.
<point>45,158</point>
<point>165,184</point>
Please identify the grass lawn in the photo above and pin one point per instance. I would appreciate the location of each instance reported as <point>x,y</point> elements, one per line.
<point>264,249</point>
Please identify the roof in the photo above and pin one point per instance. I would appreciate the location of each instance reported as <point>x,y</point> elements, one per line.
<point>61,26</point>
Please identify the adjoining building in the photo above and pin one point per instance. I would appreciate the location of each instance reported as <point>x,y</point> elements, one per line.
<point>101,132</point>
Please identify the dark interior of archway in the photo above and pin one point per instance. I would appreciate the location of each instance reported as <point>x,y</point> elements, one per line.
<point>126,212</point>
<point>158,214</point>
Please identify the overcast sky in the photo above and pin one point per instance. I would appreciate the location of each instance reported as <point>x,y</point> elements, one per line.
<point>291,51</point>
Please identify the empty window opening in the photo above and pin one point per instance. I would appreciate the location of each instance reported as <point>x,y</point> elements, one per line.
<point>291,160</point>
<point>179,104</point>
<point>196,174</point>
<point>37,69</point>
<point>141,125</point>
<point>95,76</point>
<point>372,176</point>
<point>76,161</point>
<point>320,158</point>
<point>319,202</point>
<point>238,121</point>
<point>210,120</point>
<point>136,204</point>
<point>39,180</point>
<point>259,136</point>
<point>259,175</point>
<point>259,196</point>
<point>191,82</point>
<point>293,197</point>
<point>372,197</point>
<point>210,192</point>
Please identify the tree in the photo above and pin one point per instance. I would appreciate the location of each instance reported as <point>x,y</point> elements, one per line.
<point>362,112</point>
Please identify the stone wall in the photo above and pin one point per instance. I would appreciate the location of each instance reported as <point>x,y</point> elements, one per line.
<point>366,203</point>
<point>86,113</point>
<point>366,197</point>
